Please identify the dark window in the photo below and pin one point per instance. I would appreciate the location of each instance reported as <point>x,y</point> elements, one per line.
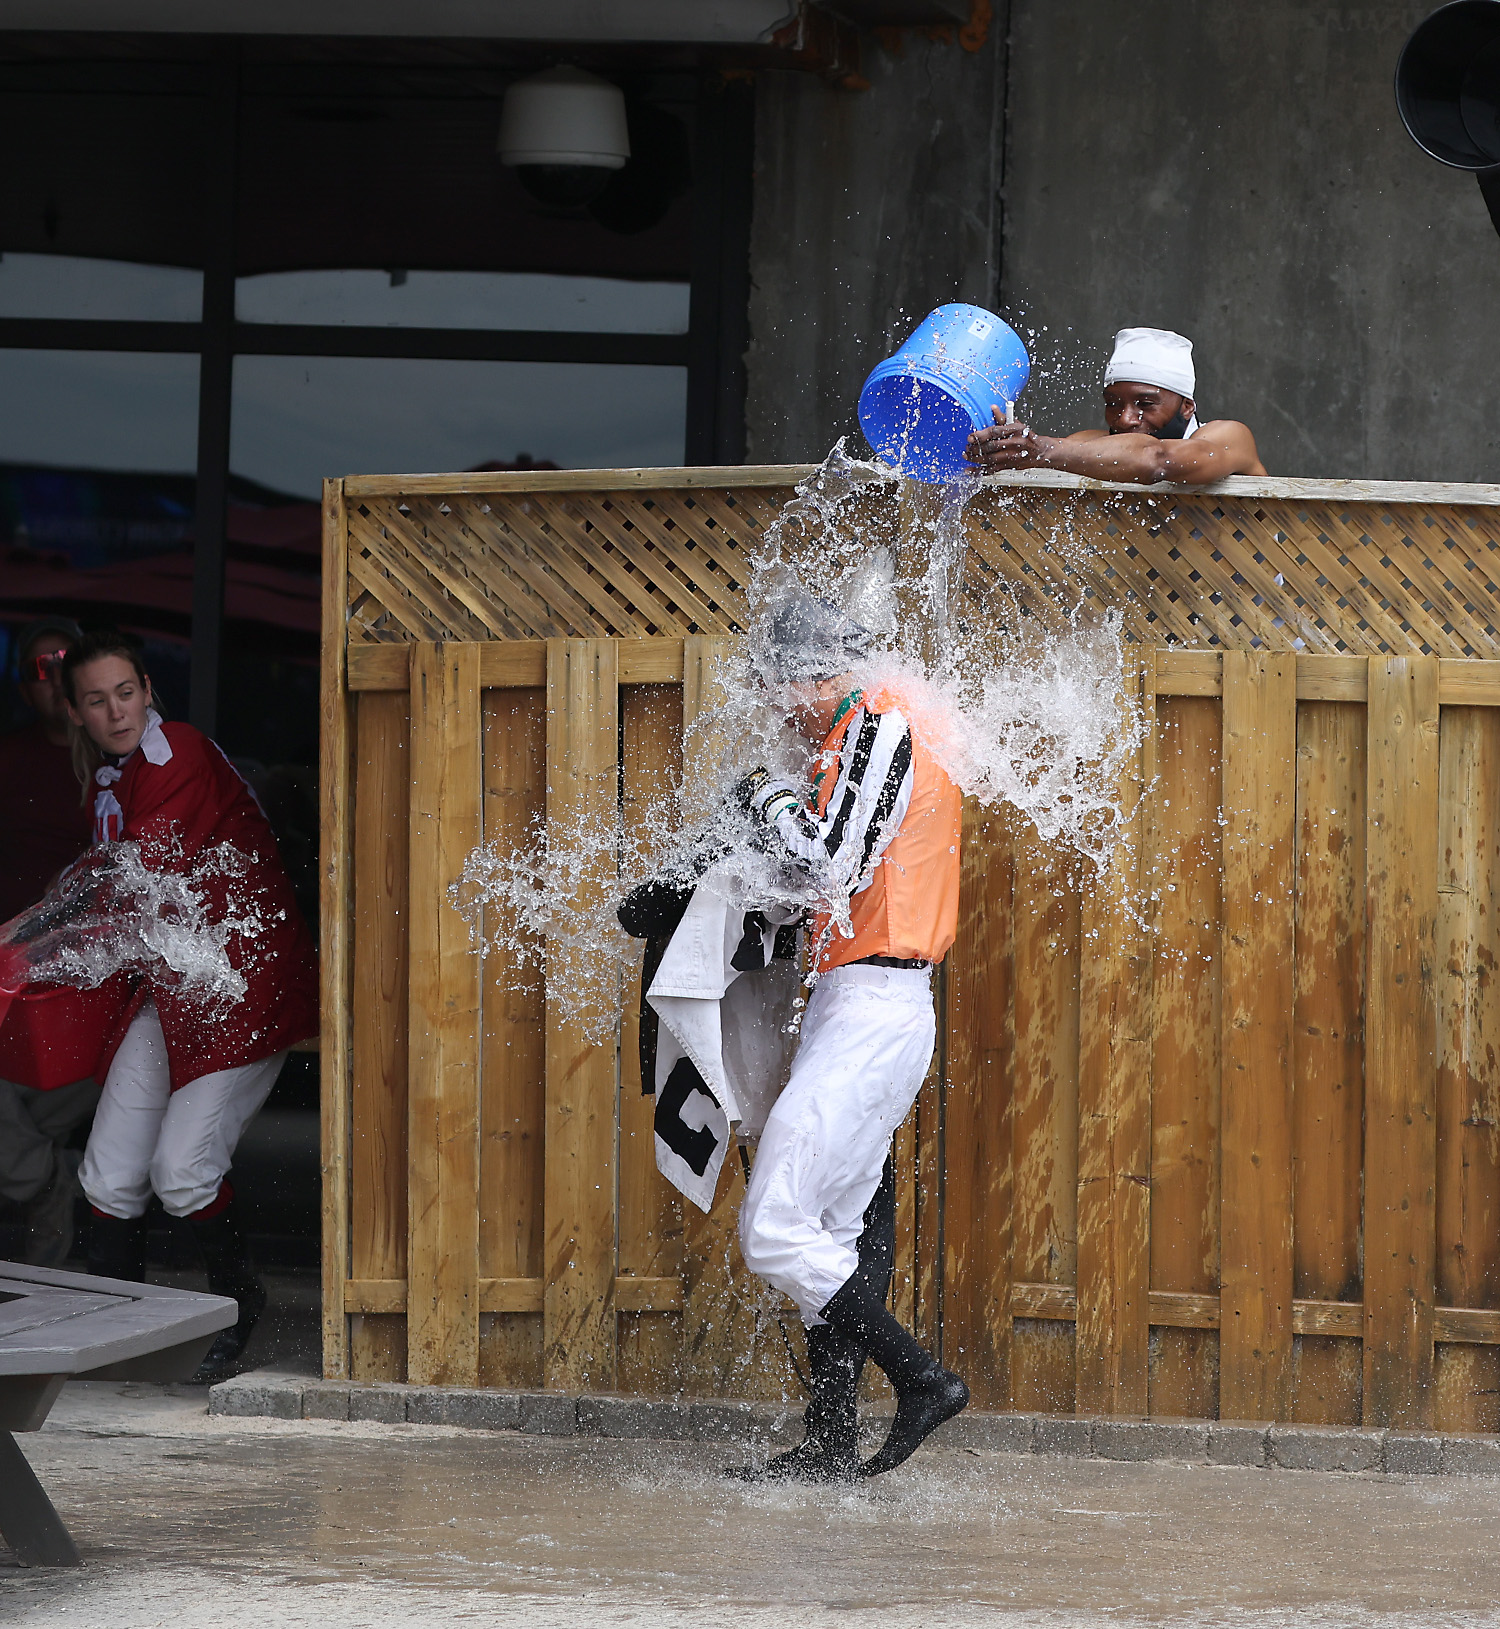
<point>229,270</point>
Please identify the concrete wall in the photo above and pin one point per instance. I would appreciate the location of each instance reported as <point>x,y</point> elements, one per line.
<point>871,207</point>
<point>1234,171</point>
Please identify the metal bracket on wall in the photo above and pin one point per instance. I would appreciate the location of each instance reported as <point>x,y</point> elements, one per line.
<point>889,20</point>
<point>819,42</point>
<point>1489,185</point>
<point>901,13</point>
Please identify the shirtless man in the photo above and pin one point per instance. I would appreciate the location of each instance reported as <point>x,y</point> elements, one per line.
<point>1153,434</point>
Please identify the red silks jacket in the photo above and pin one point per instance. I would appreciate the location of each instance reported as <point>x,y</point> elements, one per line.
<point>177,795</point>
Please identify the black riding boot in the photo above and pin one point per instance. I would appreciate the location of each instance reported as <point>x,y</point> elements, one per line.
<point>230,1273</point>
<point>829,1450</point>
<point>117,1247</point>
<point>926,1392</point>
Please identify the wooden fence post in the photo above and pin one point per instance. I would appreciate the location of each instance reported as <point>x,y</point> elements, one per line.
<point>1114,1107</point>
<point>978,1075</point>
<point>578,1318</point>
<point>1328,1052</point>
<point>1466,1381</point>
<point>512,1097</point>
<point>1401,1041</point>
<point>335,906</point>
<point>718,1293</point>
<point>380,1003</point>
<point>442,1318</point>
<point>650,1224</point>
<point>1257,968</point>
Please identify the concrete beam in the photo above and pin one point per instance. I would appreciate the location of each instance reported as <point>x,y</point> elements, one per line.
<point>695,22</point>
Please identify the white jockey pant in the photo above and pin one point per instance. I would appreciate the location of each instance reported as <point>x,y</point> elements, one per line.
<point>867,1039</point>
<point>148,1138</point>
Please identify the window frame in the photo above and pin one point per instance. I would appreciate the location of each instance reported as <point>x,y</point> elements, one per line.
<point>712,349</point>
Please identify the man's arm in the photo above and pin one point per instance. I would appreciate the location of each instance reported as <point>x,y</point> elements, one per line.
<point>1224,447</point>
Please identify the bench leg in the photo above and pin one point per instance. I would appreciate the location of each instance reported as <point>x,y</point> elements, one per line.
<point>29,1524</point>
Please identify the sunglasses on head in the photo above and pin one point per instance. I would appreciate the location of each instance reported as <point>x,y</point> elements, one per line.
<point>42,669</point>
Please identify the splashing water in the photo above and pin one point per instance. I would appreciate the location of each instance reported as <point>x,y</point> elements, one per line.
<point>189,929</point>
<point>1019,710</point>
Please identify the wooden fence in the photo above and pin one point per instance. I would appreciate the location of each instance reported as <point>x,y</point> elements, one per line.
<point>1235,1153</point>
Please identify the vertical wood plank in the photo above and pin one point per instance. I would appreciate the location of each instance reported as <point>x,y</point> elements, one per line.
<point>1468,1091</point>
<point>1044,1151</point>
<point>904,1287</point>
<point>1328,1048</point>
<point>335,905</point>
<point>1114,1109</point>
<point>650,1209</point>
<point>581,1075</point>
<point>442,1334</point>
<point>1466,1387</point>
<point>377,1343</point>
<point>1401,1040</point>
<point>735,1329</point>
<point>1186,875</point>
<point>1255,1245</point>
<point>379,1004</point>
<point>1467,1380</point>
<point>703,661</point>
<point>978,1072</point>
<point>931,1175</point>
<point>719,1325</point>
<point>512,1092</point>
<point>703,744</point>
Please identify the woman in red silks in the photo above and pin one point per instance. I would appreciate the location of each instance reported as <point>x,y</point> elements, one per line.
<point>184,1077</point>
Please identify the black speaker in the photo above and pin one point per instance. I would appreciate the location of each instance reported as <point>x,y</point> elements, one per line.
<point>1448,91</point>
<point>1448,84</point>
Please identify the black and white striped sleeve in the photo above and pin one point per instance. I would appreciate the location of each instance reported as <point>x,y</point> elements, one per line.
<point>866,809</point>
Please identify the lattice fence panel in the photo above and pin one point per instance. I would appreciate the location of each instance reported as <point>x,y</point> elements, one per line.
<point>542,565</point>
<point>1243,573</point>
<point>1226,571</point>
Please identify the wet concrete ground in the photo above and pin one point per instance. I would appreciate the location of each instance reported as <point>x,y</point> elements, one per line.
<point>184,1520</point>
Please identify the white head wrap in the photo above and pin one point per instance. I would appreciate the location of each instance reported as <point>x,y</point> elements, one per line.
<point>1152,356</point>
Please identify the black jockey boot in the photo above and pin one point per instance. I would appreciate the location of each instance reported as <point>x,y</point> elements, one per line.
<point>229,1273</point>
<point>829,1450</point>
<point>926,1392</point>
<point>117,1247</point>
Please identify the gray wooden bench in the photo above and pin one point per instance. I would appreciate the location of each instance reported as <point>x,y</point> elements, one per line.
<point>56,1327</point>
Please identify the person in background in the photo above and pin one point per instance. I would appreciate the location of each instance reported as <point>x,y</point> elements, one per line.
<point>44,826</point>
<point>181,1084</point>
<point>1152,434</point>
<point>44,823</point>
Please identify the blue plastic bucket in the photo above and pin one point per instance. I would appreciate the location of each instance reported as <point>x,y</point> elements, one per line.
<point>918,408</point>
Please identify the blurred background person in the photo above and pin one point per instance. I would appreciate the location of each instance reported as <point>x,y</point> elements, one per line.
<point>44,826</point>
<point>44,821</point>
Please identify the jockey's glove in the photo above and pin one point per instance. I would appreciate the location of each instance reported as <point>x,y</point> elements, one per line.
<point>763,797</point>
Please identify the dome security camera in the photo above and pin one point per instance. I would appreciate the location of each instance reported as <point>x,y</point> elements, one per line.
<point>564,133</point>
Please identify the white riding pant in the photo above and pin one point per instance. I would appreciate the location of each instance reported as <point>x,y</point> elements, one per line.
<point>148,1138</point>
<point>867,1039</point>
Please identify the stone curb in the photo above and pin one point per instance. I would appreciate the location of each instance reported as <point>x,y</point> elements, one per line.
<point>1197,1442</point>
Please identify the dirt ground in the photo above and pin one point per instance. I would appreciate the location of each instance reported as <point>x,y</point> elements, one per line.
<point>184,1520</point>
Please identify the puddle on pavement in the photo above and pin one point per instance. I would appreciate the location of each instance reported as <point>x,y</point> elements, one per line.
<point>566,1520</point>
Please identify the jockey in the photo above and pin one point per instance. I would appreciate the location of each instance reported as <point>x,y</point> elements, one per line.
<point>881,829</point>
<point>182,1083</point>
